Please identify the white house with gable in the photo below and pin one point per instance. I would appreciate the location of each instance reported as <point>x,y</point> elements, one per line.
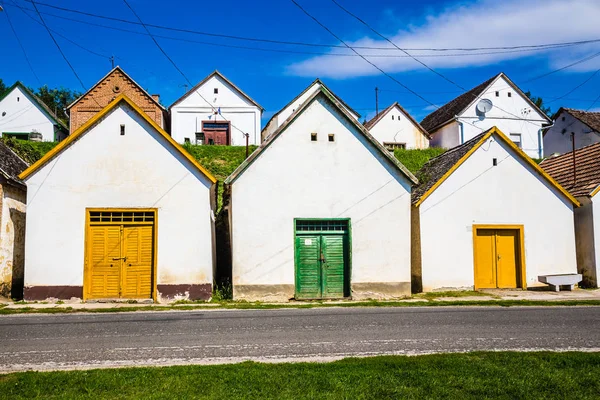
<point>216,111</point>
<point>335,220</point>
<point>395,128</point>
<point>282,115</point>
<point>496,102</point>
<point>23,115</point>
<point>571,127</point>
<point>486,216</point>
<point>119,210</point>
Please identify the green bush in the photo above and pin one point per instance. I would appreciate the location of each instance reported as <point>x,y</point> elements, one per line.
<point>414,159</point>
<point>27,150</point>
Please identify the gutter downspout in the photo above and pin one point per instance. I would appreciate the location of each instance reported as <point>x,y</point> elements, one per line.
<point>541,140</point>
<point>461,130</point>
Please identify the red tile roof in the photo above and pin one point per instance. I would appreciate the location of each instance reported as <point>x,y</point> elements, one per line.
<point>586,178</point>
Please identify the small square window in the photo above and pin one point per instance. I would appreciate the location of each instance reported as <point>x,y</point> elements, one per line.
<point>392,117</point>
<point>122,130</point>
<point>331,137</point>
<point>509,94</point>
<point>497,94</point>
<point>199,137</point>
<point>186,140</point>
<point>216,90</point>
<point>562,119</point>
<point>313,137</point>
<point>494,162</point>
<point>516,139</point>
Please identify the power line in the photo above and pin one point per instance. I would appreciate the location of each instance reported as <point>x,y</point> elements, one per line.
<point>576,87</point>
<point>294,43</point>
<point>57,45</point>
<point>563,68</point>
<point>22,48</point>
<point>394,44</point>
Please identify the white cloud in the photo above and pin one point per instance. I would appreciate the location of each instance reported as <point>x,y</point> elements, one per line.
<point>484,23</point>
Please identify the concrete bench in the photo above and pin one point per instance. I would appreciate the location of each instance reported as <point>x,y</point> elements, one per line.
<point>567,281</point>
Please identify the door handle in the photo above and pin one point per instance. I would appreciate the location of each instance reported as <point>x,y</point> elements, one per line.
<point>120,258</point>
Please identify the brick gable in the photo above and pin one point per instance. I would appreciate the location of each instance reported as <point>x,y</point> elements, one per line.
<point>105,91</point>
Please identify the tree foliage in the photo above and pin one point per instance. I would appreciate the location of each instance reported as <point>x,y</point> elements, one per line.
<point>2,88</point>
<point>538,101</point>
<point>57,99</point>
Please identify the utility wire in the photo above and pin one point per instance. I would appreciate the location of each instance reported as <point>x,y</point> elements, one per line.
<point>576,87</point>
<point>254,39</point>
<point>22,48</point>
<point>394,44</point>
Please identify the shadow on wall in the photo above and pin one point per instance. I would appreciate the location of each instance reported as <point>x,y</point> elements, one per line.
<point>18,220</point>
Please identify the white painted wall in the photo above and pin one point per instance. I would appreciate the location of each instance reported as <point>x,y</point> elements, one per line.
<point>104,169</point>
<point>285,112</point>
<point>297,178</point>
<point>512,114</point>
<point>447,136</point>
<point>596,212</point>
<point>243,114</point>
<point>24,115</point>
<point>396,127</point>
<point>12,201</point>
<point>555,141</point>
<point>479,193</point>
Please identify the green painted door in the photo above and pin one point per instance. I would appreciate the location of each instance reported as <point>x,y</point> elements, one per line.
<point>322,259</point>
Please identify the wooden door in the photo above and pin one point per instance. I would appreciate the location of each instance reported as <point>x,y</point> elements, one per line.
<point>497,258</point>
<point>506,251</point>
<point>308,268</point>
<point>485,259</point>
<point>104,252</point>
<point>333,266</point>
<point>137,262</point>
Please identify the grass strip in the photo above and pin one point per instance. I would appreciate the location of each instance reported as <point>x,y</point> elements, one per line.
<point>481,375</point>
<point>262,306</point>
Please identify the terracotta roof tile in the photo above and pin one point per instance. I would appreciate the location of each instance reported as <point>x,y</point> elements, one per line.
<point>11,165</point>
<point>587,162</point>
<point>591,119</point>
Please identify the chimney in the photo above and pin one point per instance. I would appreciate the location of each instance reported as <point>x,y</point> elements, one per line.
<point>156,97</point>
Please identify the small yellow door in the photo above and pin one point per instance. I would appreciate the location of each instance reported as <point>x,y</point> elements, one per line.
<point>497,258</point>
<point>105,272</point>
<point>137,260</point>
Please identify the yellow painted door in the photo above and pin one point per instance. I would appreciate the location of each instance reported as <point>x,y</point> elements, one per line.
<point>104,265</point>
<point>506,250</point>
<point>137,262</point>
<point>485,262</point>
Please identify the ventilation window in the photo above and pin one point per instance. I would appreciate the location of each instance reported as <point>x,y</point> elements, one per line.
<point>216,91</point>
<point>563,118</point>
<point>122,130</point>
<point>497,94</point>
<point>3,113</point>
<point>494,162</point>
<point>313,137</point>
<point>392,117</point>
<point>98,217</point>
<point>186,140</point>
<point>18,98</point>
<point>509,94</point>
<point>331,137</point>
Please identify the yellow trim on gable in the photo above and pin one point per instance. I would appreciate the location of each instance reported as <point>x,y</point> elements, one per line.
<point>517,150</point>
<point>75,135</point>
<point>595,192</point>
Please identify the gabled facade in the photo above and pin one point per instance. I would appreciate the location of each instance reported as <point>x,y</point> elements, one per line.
<point>282,115</point>
<point>581,177</point>
<point>581,126</point>
<point>111,86</point>
<point>486,216</point>
<point>333,219</point>
<point>12,223</point>
<point>216,111</point>
<point>508,108</point>
<point>25,116</point>
<point>119,210</point>
<point>395,128</point>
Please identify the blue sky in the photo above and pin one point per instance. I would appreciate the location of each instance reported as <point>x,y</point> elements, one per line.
<point>273,78</point>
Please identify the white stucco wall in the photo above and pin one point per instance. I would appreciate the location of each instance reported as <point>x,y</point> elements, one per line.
<point>555,141</point>
<point>447,136</point>
<point>186,117</point>
<point>396,127</point>
<point>596,212</point>
<point>12,226</point>
<point>104,169</point>
<point>285,112</point>
<point>480,193</point>
<point>298,178</point>
<point>24,115</point>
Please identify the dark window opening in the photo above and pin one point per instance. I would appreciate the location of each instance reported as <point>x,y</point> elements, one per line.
<point>313,137</point>
<point>122,130</point>
<point>494,162</point>
<point>392,117</point>
<point>18,98</point>
<point>186,140</point>
<point>216,91</point>
<point>331,137</point>
<point>563,118</point>
<point>509,94</point>
<point>211,141</point>
<point>497,94</point>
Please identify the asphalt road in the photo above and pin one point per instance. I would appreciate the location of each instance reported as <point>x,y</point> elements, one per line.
<point>55,342</point>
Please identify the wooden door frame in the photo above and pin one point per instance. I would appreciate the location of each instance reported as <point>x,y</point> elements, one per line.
<point>86,269</point>
<point>348,266</point>
<point>521,249</point>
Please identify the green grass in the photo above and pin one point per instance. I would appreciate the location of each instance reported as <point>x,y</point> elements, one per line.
<point>483,375</point>
<point>221,161</point>
<point>29,151</point>
<point>241,305</point>
<point>416,158</point>
<point>452,293</point>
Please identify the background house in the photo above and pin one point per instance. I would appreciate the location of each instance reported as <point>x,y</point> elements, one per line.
<point>279,117</point>
<point>485,215</point>
<point>496,102</point>
<point>119,210</point>
<point>395,128</point>
<point>584,126</point>
<point>320,210</point>
<point>12,223</point>
<point>216,111</point>
<point>582,179</point>
<point>23,113</point>
<point>115,83</point>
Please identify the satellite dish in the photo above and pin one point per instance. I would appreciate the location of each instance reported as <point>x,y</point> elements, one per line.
<point>484,106</point>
